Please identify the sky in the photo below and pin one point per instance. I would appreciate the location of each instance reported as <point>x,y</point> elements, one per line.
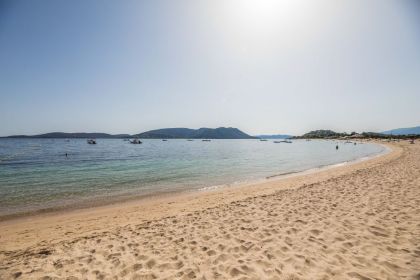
<point>263,66</point>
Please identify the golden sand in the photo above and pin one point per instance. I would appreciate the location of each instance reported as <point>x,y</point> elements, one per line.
<point>360,221</point>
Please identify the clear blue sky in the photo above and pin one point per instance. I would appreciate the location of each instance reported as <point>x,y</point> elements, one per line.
<point>264,66</point>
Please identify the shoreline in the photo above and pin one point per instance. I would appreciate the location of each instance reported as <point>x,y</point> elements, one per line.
<point>90,204</point>
<point>152,201</point>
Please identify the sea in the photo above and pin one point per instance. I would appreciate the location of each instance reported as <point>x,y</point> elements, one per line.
<point>41,175</point>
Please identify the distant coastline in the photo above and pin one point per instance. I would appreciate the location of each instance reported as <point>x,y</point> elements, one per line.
<point>65,135</point>
<point>228,133</point>
<point>170,133</point>
<point>329,134</point>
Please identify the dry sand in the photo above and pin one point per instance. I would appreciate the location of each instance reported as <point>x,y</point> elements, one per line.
<point>360,221</point>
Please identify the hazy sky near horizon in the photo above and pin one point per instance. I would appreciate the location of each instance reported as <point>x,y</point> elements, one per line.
<point>264,66</point>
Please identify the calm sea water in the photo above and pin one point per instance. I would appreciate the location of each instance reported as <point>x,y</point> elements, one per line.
<point>36,175</point>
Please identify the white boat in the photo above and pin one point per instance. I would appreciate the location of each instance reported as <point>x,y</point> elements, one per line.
<point>91,141</point>
<point>283,141</point>
<point>135,141</point>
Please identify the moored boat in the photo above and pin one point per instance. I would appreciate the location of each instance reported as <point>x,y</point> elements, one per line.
<point>283,141</point>
<point>135,141</point>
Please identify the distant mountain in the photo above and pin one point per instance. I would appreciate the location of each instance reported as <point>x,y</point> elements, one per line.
<point>403,131</point>
<point>274,136</point>
<point>202,133</point>
<point>72,135</point>
<point>168,133</point>
<point>322,134</point>
<point>210,133</point>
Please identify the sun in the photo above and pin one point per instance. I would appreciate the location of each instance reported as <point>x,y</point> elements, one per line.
<point>263,13</point>
<point>260,27</point>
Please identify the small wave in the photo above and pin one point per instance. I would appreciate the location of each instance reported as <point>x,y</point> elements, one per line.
<point>5,159</point>
<point>336,164</point>
<point>282,174</point>
<point>209,188</point>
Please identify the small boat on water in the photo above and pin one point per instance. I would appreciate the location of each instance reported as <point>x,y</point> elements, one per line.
<point>190,140</point>
<point>283,141</point>
<point>91,141</point>
<point>135,141</point>
<point>164,139</point>
<point>263,140</point>
<point>206,140</point>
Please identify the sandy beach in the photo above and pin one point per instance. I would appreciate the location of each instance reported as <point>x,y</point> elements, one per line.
<point>358,221</point>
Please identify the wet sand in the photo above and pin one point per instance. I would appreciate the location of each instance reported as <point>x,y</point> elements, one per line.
<point>360,221</point>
